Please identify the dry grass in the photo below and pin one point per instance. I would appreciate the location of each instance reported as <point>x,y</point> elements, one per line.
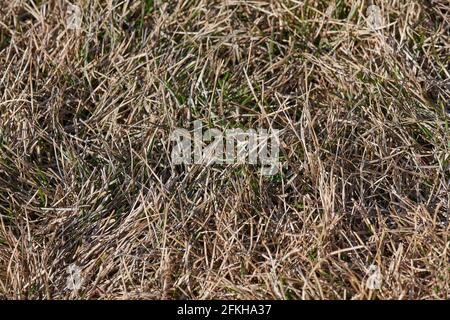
<point>86,175</point>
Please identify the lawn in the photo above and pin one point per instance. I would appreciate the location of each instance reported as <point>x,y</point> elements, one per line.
<point>93,205</point>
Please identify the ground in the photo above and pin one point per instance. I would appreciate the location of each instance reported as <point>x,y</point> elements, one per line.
<point>88,184</point>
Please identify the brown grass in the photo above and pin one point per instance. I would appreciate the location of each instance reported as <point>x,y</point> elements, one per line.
<point>86,175</point>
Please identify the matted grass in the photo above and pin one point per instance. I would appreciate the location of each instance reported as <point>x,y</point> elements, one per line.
<point>86,176</point>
